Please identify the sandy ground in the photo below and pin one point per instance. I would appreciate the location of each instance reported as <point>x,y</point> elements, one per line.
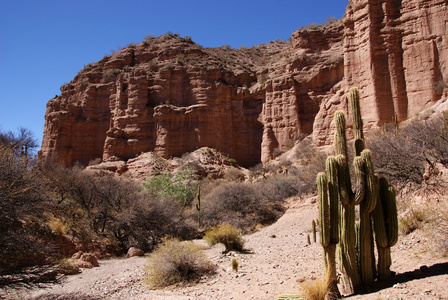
<point>278,258</point>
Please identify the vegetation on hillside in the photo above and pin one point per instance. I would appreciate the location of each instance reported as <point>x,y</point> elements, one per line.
<point>48,211</point>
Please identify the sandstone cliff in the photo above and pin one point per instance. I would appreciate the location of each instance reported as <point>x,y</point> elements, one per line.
<point>171,96</point>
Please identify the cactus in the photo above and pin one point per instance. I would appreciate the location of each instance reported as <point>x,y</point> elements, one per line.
<point>328,237</point>
<point>198,205</point>
<point>337,208</point>
<point>313,225</point>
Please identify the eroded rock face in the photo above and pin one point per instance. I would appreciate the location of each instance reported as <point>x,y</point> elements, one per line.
<point>396,52</point>
<point>171,96</point>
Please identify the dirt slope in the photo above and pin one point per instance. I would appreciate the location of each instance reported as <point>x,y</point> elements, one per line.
<point>279,257</point>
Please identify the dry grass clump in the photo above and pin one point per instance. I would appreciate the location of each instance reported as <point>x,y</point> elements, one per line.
<point>411,220</point>
<point>317,289</point>
<point>431,220</point>
<point>226,234</point>
<point>176,262</point>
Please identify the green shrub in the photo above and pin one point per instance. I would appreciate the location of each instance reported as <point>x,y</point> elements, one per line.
<point>182,185</point>
<point>226,234</point>
<point>175,262</point>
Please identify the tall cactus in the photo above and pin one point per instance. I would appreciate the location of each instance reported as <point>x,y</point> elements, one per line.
<point>337,205</point>
<point>328,236</point>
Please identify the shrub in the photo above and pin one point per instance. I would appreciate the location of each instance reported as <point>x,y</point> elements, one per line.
<point>182,185</point>
<point>114,212</point>
<point>24,238</point>
<point>175,262</point>
<point>400,154</point>
<point>225,234</point>
<point>245,205</point>
<point>317,289</point>
<point>412,220</point>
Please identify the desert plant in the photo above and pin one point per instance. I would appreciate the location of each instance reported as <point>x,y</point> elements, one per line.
<point>182,185</point>
<point>235,264</point>
<point>175,262</point>
<point>401,154</point>
<point>337,201</point>
<point>317,289</point>
<point>225,234</point>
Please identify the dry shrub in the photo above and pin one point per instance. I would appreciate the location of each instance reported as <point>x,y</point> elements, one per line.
<point>401,154</point>
<point>108,214</point>
<point>241,204</point>
<point>176,262</point>
<point>411,220</point>
<point>227,235</point>
<point>431,219</point>
<point>317,289</point>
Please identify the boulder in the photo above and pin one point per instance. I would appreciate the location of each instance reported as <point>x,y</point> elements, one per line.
<point>134,252</point>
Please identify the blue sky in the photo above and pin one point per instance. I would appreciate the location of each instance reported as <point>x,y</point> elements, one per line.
<point>45,43</point>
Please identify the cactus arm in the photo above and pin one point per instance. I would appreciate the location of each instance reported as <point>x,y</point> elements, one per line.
<point>333,191</point>
<point>391,213</point>
<point>358,163</point>
<point>371,193</point>
<point>340,140</point>
<point>324,210</point>
<point>379,225</point>
<point>344,195</point>
<point>366,260</point>
<point>356,113</point>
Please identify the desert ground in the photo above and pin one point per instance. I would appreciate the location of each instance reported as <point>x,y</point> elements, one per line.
<point>277,259</point>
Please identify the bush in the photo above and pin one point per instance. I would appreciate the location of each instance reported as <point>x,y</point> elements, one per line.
<point>24,238</point>
<point>225,234</point>
<point>412,220</point>
<point>175,262</point>
<point>182,185</point>
<point>110,214</point>
<point>317,289</point>
<point>400,154</point>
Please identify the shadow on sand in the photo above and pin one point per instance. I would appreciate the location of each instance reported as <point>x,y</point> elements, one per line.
<point>422,272</point>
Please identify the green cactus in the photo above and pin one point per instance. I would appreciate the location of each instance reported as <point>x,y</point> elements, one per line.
<point>337,208</point>
<point>327,239</point>
<point>386,227</point>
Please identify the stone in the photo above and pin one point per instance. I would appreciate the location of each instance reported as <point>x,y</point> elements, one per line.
<point>91,258</point>
<point>83,264</point>
<point>134,252</point>
<point>169,96</point>
<point>77,255</point>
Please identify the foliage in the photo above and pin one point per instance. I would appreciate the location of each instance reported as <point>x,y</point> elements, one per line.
<point>116,211</point>
<point>235,264</point>
<point>412,220</point>
<point>23,198</point>
<point>174,262</point>
<point>241,204</point>
<point>400,154</point>
<point>22,142</point>
<point>225,234</point>
<point>182,185</point>
<point>317,289</point>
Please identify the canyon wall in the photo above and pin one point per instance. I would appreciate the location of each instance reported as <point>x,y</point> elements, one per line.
<point>172,96</point>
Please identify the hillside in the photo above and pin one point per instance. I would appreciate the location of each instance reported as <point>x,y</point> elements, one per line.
<point>172,96</point>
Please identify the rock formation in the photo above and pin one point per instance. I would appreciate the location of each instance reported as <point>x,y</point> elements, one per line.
<point>171,96</point>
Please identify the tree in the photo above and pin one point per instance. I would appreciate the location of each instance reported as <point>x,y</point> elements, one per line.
<point>23,142</point>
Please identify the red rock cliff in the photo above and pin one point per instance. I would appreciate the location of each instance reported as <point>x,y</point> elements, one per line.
<point>169,95</point>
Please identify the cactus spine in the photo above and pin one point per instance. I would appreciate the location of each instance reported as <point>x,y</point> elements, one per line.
<point>337,208</point>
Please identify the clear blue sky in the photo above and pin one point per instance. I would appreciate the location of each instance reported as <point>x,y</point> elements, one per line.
<point>45,43</point>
